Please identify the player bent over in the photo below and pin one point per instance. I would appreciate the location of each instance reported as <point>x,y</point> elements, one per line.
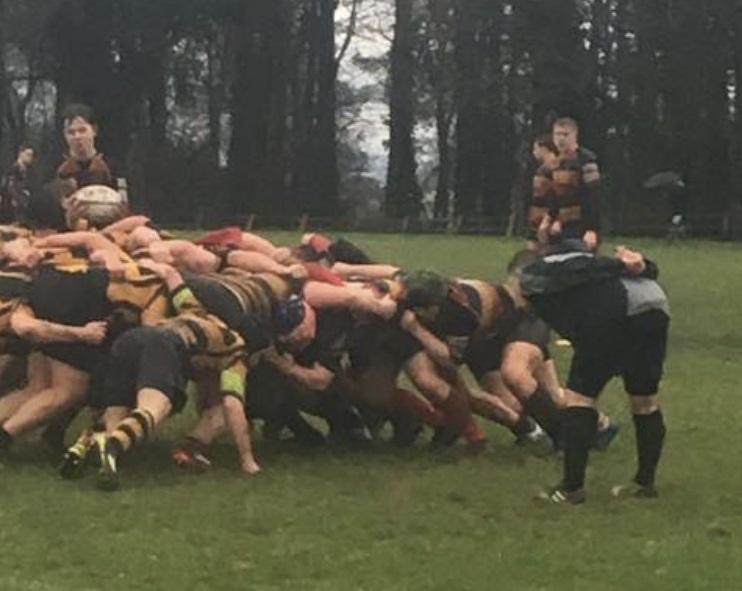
<point>149,368</point>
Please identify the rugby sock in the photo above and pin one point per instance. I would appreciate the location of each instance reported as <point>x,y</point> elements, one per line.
<point>650,435</point>
<point>541,407</point>
<point>580,426</point>
<point>408,404</point>
<point>136,428</point>
<point>525,426</point>
<point>6,439</point>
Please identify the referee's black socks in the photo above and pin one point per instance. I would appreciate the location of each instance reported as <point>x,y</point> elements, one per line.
<point>650,435</point>
<point>580,428</point>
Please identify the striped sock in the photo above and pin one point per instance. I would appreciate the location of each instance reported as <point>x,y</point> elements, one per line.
<point>135,428</point>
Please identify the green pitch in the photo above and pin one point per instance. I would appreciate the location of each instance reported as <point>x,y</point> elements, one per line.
<point>381,519</point>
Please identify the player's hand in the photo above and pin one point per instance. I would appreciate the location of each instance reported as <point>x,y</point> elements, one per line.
<point>160,269</point>
<point>93,333</point>
<point>408,321</point>
<point>298,271</point>
<point>544,229</point>
<point>282,255</point>
<point>249,466</point>
<point>160,253</point>
<point>590,238</point>
<point>387,307</point>
<point>634,260</point>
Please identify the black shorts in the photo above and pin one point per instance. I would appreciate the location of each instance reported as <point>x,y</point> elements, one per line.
<point>145,357</point>
<point>633,348</point>
<point>73,299</point>
<point>485,355</point>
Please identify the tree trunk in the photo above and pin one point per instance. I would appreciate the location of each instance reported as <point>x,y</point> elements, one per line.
<point>403,194</point>
<point>4,147</point>
<point>257,163</point>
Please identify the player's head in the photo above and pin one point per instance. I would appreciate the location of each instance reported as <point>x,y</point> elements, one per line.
<point>26,155</point>
<point>295,322</point>
<point>80,128</point>
<point>565,133</point>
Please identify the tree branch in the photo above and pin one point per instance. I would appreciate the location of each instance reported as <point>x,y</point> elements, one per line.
<point>349,33</point>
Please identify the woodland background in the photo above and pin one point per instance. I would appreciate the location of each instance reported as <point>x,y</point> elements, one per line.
<point>361,110</point>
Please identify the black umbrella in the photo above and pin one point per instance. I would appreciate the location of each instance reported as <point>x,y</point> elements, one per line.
<point>667,179</point>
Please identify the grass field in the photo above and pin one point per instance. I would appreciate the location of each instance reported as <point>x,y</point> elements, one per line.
<point>381,519</point>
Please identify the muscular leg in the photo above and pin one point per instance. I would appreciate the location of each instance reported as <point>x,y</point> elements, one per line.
<point>68,388</point>
<point>39,378</point>
<point>520,363</point>
<point>449,396</point>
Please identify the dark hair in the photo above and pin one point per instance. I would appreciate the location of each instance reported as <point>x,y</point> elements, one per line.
<point>566,122</point>
<point>346,252</point>
<point>424,288</point>
<point>25,146</point>
<point>288,315</point>
<point>545,141</point>
<point>81,110</point>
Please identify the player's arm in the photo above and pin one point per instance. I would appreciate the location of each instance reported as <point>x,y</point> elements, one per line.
<point>255,243</point>
<point>434,347</point>
<point>365,272</point>
<point>182,298</point>
<point>591,203</point>
<point>232,388</point>
<point>127,224</point>
<point>257,262</point>
<point>24,323</point>
<point>317,377</point>
<point>91,241</point>
<point>323,295</point>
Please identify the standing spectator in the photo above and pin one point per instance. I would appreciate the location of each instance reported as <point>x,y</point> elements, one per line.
<point>83,164</point>
<point>542,203</point>
<point>575,183</point>
<point>15,193</point>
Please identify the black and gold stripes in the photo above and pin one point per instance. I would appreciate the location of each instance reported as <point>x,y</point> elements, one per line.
<point>256,292</point>
<point>138,290</point>
<point>134,429</point>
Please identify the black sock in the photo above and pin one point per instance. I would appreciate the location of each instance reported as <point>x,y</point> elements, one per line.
<point>542,407</point>
<point>650,435</point>
<point>580,426</point>
<point>523,427</point>
<point>6,439</point>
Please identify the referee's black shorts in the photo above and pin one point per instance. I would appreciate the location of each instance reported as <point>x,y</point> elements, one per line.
<point>633,348</point>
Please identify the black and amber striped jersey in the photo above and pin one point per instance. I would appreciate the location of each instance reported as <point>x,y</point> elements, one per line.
<point>257,293</point>
<point>211,345</point>
<point>138,296</point>
<point>574,185</point>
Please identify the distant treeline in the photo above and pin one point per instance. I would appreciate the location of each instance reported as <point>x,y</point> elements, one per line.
<point>228,107</point>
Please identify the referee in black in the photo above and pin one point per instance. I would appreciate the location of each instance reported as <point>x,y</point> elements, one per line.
<point>617,317</point>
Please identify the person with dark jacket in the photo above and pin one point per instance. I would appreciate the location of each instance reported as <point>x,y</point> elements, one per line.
<point>617,317</point>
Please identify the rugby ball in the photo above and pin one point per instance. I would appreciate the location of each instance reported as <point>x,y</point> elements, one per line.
<point>99,205</point>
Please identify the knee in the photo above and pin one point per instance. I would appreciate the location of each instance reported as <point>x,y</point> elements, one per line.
<point>518,377</point>
<point>644,405</point>
<point>432,387</point>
